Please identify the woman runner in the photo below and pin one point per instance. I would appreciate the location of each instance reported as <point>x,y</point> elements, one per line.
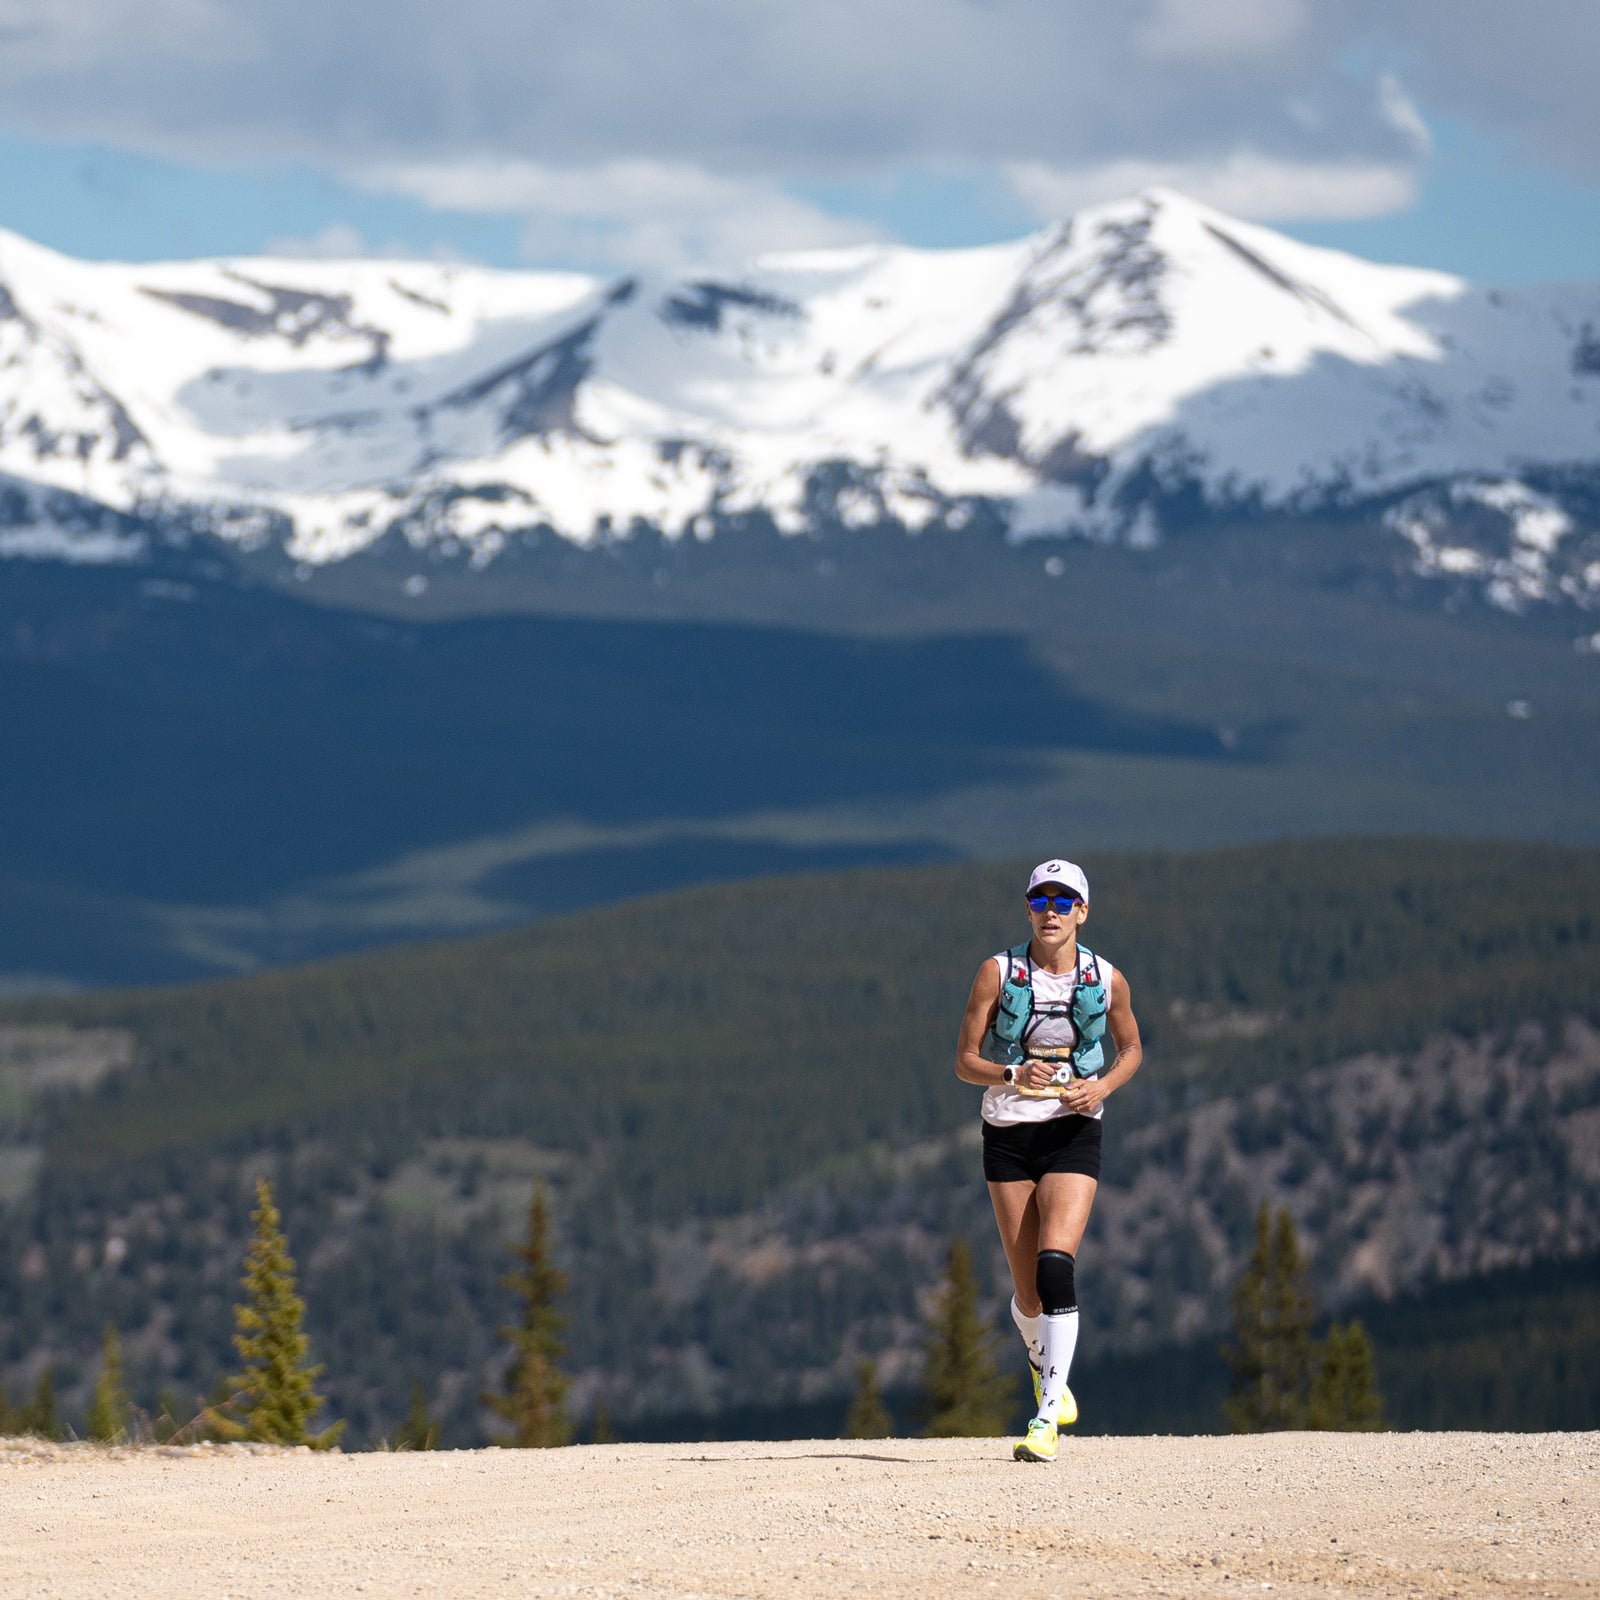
<point>1039,1059</point>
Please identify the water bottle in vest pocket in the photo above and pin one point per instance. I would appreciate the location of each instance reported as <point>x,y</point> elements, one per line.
<point>1004,1040</point>
<point>1090,1003</point>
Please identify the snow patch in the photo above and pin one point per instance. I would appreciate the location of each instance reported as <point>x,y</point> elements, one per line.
<point>42,542</point>
<point>1084,380</point>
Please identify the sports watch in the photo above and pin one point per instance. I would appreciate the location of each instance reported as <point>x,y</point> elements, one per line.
<point>1009,1073</point>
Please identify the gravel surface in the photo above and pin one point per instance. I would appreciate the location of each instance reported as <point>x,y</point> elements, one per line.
<point>1302,1514</point>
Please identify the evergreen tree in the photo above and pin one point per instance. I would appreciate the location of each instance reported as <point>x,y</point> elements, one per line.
<point>419,1431</point>
<point>274,1398</point>
<point>1272,1353</point>
<point>966,1397</point>
<point>166,1420</point>
<point>39,1416</point>
<point>111,1409</point>
<point>1344,1392</point>
<point>868,1417</point>
<point>535,1391</point>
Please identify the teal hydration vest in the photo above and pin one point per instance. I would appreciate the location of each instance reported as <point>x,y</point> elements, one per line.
<point>1007,1041</point>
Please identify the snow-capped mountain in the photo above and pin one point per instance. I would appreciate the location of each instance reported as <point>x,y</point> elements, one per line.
<point>1143,362</point>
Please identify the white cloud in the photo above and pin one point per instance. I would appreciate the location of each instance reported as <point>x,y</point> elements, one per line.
<point>340,241</point>
<point>1402,114</point>
<point>1523,70</point>
<point>828,87</point>
<point>624,213</point>
<point>1207,29</point>
<point>44,36</point>
<point>1244,184</point>
<point>644,130</point>
<point>337,242</point>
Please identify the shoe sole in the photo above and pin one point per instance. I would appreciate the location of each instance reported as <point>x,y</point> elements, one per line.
<point>1023,1453</point>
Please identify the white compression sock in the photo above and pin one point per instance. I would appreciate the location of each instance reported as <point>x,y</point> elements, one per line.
<point>1060,1342</point>
<point>1032,1335</point>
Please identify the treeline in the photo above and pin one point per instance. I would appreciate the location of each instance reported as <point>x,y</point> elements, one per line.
<point>1516,1350</point>
<point>273,1394</point>
<point>741,1008</point>
<point>1282,1378</point>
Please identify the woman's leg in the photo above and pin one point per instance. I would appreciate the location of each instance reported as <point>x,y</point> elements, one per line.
<point>1063,1201</point>
<point>1016,1214</point>
<point>1062,1204</point>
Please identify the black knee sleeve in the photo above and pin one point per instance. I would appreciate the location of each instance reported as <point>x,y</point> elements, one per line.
<point>1053,1278</point>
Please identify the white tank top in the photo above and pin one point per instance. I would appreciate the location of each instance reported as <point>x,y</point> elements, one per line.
<point>1052,1028</point>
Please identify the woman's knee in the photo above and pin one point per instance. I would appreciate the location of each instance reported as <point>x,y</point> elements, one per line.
<point>1055,1282</point>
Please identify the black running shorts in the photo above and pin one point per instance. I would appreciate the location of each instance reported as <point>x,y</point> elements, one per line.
<point>1024,1151</point>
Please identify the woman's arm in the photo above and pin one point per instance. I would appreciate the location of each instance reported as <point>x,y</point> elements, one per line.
<point>1086,1094</point>
<point>982,1006</point>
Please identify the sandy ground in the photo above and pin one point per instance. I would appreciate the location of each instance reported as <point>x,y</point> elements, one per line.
<point>1300,1514</point>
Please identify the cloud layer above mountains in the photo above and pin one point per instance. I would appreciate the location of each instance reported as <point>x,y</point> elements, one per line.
<point>663,127</point>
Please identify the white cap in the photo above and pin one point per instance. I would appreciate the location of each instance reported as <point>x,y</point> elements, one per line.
<point>1066,873</point>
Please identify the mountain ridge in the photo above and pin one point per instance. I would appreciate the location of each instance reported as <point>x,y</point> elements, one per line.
<point>1143,365</point>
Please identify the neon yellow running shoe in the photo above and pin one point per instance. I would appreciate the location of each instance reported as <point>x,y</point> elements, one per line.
<point>1038,1444</point>
<point>1067,1412</point>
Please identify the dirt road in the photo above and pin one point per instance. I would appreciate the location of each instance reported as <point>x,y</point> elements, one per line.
<point>1298,1514</point>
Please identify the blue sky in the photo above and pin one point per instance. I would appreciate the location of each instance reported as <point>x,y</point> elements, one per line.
<point>1465,139</point>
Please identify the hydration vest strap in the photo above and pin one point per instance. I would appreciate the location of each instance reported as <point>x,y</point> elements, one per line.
<point>1088,1055</point>
<point>1015,1009</point>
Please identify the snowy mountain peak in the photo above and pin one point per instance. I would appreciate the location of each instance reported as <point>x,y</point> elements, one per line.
<point>1142,356</point>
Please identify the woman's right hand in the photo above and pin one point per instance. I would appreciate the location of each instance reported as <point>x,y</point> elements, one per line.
<point>1035,1074</point>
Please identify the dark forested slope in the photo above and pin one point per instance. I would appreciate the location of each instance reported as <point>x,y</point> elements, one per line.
<point>709,1079</point>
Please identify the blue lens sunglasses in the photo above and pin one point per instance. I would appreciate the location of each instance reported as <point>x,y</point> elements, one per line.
<point>1053,902</point>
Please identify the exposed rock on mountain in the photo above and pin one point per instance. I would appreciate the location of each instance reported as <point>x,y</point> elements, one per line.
<point>1145,364</point>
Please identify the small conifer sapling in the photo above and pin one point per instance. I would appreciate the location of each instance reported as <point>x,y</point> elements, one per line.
<point>533,1401</point>
<point>965,1395</point>
<point>868,1417</point>
<point>1272,1353</point>
<point>419,1431</point>
<point>1344,1391</point>
<point>274,1397</point>
<point>111,1408</point>
<point>39,1417</point>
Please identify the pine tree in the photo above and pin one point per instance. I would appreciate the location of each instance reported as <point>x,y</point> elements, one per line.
<point>274,1398</point>
<point>868,1417</point>
<point>535,1392</point>
<point>1344,1392</point>
<point>111,1409</point>
<point>966,1397</point>
<point>1272,1353</point>
<point>39,1416</point>
<point>166,1422</point>
<point>419,1431</point>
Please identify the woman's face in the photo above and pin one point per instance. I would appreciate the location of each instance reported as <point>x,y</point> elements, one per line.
<point>1050,919</point>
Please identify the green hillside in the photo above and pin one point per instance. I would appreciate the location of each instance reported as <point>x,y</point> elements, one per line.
<point>674,1060</point>
<point>239,779</point>
<point>726,1016</point>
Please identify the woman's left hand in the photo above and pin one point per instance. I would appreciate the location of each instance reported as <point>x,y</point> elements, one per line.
<point>1085,1096</point>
